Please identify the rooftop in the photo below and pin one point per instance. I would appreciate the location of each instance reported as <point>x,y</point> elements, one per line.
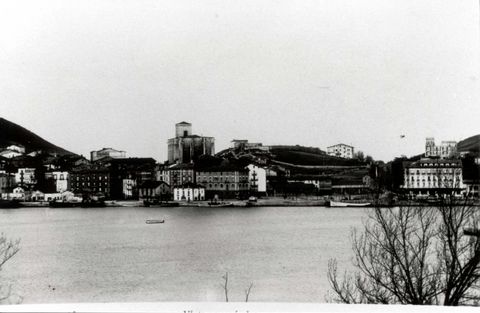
<point>340,144</point>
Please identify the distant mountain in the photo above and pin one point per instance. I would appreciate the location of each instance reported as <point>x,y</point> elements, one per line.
<point>13,134</point>
<point>471,144</point>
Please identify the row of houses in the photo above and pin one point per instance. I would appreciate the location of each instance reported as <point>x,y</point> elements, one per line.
<point>434,177</point>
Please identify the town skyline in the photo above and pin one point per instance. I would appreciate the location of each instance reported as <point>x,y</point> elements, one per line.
<point>89,75</point>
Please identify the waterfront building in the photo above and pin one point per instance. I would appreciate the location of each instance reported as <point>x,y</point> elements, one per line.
<point>115,178</point>
<point>257,178</point>
<point>128,188</point>
<point>176,174</point>
<point>7,182</point>
<point>154,190</point>
<point>433,177</point>
<point>341,150</point>
<point>189,192</point>
<point>91,180</point>
<point>127,174</point>
<point>471,175</point>
<point>60,180</point>
<point>17,193</point>
<point>225,181</point>
<point>107,152</point>
<point>162,173</point>
<point>445,150</point>
<point>186,147</point>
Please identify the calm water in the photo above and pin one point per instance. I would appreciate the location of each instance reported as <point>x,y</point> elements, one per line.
<point>111,255</point>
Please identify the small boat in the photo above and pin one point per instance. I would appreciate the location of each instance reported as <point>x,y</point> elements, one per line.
<point>155,221</point>
<point>338,204</point>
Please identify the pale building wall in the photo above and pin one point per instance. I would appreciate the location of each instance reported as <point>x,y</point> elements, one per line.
<point>260,175</point>
<point>25,175</point>
<point>341,150</point>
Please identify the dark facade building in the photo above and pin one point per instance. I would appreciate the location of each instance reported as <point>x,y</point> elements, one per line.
<point>91,180</point>
<point>176,174</point>
<point>114,178</point>
<point>224,181</point>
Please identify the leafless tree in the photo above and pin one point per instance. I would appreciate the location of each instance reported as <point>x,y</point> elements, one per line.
<point>225,286</point>
<point>413,255</point>
<point>247,292</point>
<point>8,248</point>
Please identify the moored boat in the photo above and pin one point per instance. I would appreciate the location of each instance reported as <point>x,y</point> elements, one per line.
<point>340,204</point>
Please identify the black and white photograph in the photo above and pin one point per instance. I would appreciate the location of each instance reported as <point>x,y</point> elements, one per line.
<point>239,155</point>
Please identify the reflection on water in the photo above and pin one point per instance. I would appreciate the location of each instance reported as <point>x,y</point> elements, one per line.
<point>112,255</point>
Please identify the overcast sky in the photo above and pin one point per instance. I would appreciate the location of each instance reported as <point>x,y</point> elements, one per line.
<point>91,74</point>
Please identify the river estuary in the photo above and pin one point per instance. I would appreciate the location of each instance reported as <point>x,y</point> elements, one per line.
<point>112,255</point>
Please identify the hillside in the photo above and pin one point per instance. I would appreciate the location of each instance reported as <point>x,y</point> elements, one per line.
<point>471,144</point>
<point>293,155</point>
<point>11,133</point>
<point>299,157</point>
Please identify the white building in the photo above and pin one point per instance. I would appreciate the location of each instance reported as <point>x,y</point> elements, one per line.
<point>445,150</point>
<point>25,176</point>
<point>17,193</point>
<point>433,177</point>
<point>341,150</point>
<point>128,187</point>
<point>257,178</point>
<point>9,153</point>
<point>189,192</point>
<point>20,149</point>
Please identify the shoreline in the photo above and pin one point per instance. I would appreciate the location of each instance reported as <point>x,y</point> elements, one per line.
<point>266,202</point>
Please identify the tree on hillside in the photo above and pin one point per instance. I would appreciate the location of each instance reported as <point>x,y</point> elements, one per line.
<point>414,255</point>
<point>8,249</point>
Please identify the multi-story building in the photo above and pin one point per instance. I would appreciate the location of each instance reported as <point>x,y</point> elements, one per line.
<point>186,147</point>
<point>61,180</point>
<point>176,174</point>
<point>7,182</point>
<point>341,150</point>
<point>189,192</point>
<point>445,150</point>
<point>107,152</point>
<point>433,177</point>
<point>25,176</point>
<point>257,178</point>
<point>91,180</point>
<point>224,181</point>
